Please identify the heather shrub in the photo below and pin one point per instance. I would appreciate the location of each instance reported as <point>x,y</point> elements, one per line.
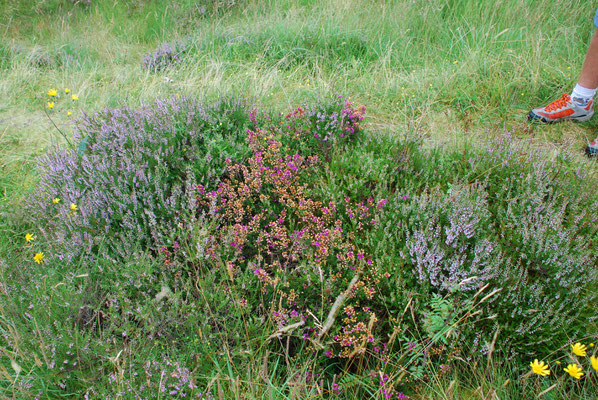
<point>335,249</point>
<point>321,127</point>
<point>444,240</point>
<point>166,55</point>
<point>510,222</point>
<point>335,120</point>
<point>127,182</point>
<point>292,254</point>
<point>453,230</point>
<point>546,232</point>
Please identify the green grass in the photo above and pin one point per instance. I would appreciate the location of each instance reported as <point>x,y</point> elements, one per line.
<point>455,73</point>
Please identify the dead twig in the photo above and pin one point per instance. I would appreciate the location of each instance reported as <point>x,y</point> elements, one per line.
<point>284,329</point>
<point>334,310</point>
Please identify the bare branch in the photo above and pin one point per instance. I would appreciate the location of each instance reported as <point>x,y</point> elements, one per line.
<point>334,310</point>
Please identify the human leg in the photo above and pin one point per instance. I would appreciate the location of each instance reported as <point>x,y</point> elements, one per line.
<point>579,105</point>
<point>588,78</point>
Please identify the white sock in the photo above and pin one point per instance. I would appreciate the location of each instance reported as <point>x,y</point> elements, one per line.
<point>582,95</point>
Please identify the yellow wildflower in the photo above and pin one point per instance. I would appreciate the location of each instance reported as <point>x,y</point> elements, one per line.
<point>594,362</point>
<point>67,90</point>
<point>55,200</point>
<point>579,349</point>
<point>29,237</point>
<point>38,258</point>
<point>75,97</point>
<point>52,93</point>
<point>557,362</point>
<point>69,113</point>
<point>73,207</point>
<point>50,104</point>
<point>574,371</point>
<point>539,368</point>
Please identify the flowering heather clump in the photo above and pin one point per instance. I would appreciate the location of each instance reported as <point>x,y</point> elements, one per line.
<point>129,177</point>
<point>523,230</point>
<point>165,55</point>
<point>446,247</point>
<point>295,246</point>
<point>370,251</point>
<point>336,120</point>
<point>322,126</point>
<point>546,225</point>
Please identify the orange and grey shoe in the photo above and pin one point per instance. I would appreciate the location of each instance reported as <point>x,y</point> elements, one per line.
<point>562,109</point>
<point>592,148</point>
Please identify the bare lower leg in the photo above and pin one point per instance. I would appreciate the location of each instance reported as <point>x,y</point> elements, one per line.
<point>589,72</point>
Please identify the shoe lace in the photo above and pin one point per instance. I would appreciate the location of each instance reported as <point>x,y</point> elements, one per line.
<point>558,103</point>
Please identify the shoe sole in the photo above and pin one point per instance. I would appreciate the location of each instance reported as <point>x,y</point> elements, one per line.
<point>532,117</point>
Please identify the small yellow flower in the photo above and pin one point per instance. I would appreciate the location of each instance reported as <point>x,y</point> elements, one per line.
<point>69,113</point>
<point>50,104</point>
<point>73,207</point>
<point>558,362</point>
<point>29,237</point>
<point>52,93</point>
<point>67,90</point>
<point>75,97</point>
<point>55,200</point>
<point>591,344</point>
<point>574,371</point>
<point>579,349</point>
<point>38,258</point>
<point>594,362</point>
<point>539,368</point>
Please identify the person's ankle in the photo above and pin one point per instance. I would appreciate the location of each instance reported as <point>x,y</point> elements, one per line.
<point>582,95</point>
<point>581,101</point>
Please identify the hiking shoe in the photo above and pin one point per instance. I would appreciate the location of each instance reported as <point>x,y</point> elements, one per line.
<point>562,109</point>
<point>592,149</point>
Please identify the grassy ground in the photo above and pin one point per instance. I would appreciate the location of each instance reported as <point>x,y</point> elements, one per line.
<point>457,72</point>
